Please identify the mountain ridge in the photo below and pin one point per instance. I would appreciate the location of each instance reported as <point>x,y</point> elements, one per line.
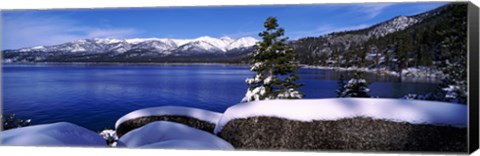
<point>310,50</point>
<point>201,49</point>
<point>398,43</point>
<point>84,45</point>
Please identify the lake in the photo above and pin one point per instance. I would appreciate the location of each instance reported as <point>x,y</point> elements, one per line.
<point>95,96</point>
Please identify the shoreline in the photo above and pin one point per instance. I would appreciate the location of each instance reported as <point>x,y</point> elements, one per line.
<point>123,63</point>
<point>406,73</point>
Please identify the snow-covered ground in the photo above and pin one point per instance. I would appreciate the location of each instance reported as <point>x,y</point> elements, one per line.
<point>200,114</point>
<point>55,134</point>
<point>165,134</point>
<point>412,111</point>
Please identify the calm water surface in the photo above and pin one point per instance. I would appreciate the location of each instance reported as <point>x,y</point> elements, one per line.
<point>95,96</point>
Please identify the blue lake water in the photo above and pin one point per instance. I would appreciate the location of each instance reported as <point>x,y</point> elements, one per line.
<point>95,96</point>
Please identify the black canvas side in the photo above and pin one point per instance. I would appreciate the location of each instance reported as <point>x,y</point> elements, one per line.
<point>473,41</point>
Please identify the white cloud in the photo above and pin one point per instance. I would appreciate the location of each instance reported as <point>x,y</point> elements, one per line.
<point>373,10</point>
<point>27,31</point>
<point>324,29</point>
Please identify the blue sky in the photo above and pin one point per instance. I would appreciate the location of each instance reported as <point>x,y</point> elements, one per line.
<point>25,28</point>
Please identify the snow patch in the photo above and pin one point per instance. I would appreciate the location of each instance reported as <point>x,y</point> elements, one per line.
<point>394,25</point>
<point>257,79</point>
<point>256,66</point>
<point>200,114</point>
<point>412,111</point>
<point>254,94</point>
<point>290,93</point>
<point>56,134</point>
<point>108,40</point>
<point>170,134</point>
<point>218,43</point>
<point>242,43</point>
<point>38,47</point>
<point>268,80</point>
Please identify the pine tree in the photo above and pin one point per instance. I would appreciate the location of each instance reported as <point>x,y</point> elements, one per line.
<point>453,57</point>
<point>341,86</point>
<point>356,87</point>
<point>275,67</point>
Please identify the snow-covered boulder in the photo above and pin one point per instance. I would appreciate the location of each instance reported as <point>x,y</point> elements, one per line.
<point>165,134</point>
<point>412,111</point>
<point>346,124</point>
<point>193,117</point>
<point>55,134</point>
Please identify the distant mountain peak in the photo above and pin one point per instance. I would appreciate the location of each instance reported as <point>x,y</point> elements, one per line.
<point>102,45</point>
<point>226,38</point>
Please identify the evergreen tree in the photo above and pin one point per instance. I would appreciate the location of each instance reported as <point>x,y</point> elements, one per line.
<point>453,57</point>
<point>341,86</point>
<point>275,67</point>
<point>356,87</point>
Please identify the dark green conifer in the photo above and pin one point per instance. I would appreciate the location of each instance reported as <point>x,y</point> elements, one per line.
<point>274,65</point>
<point>357,86</point>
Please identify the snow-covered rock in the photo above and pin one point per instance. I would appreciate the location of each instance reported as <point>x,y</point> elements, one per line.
<point>110,136</point>
<point>55,134</point>
<point>200,114</point>
<point>164,134</point>
<point>411,111</point>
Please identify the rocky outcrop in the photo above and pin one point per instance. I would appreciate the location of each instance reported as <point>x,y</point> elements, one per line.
<point>132,124</point>
<point>348,134</point>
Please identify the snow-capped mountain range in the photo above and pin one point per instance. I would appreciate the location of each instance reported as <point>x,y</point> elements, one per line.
<point>138,50</point>
<point>161,45</point>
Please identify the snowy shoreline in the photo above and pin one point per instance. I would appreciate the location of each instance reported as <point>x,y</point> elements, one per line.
<point>278,124</point>
<point>422,72</point>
